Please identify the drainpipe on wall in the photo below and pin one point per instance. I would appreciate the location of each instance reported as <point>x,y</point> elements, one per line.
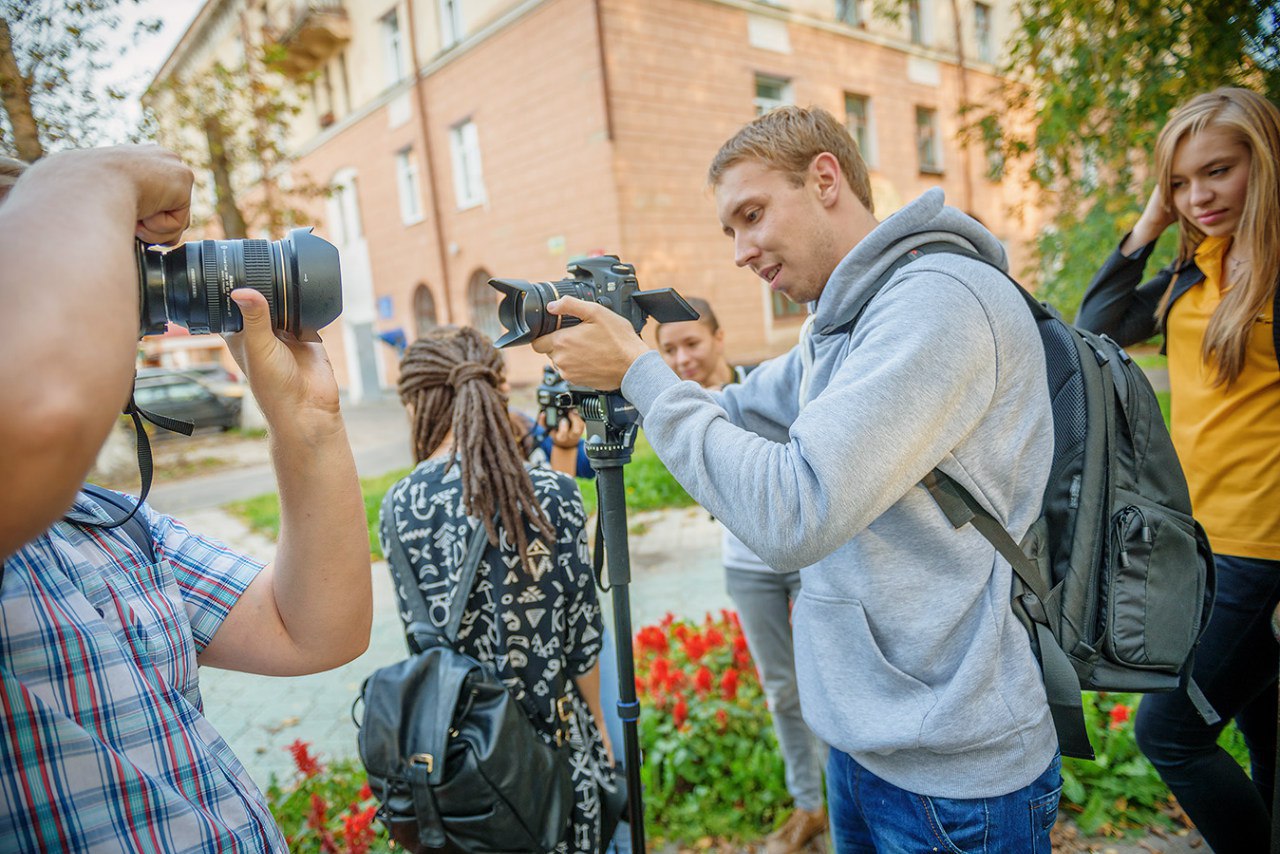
<point>604,74</point>
<point>424,130</point>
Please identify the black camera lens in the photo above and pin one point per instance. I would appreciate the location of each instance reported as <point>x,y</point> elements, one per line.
<point>191,284</point>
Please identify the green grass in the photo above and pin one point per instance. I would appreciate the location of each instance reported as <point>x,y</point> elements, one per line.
<point>1163,397</point>
<point>648,483</point>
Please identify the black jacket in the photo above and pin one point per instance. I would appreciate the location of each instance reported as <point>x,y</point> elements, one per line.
<point>1116,305</point>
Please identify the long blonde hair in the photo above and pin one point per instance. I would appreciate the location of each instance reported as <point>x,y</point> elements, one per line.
<point>1252,120</point>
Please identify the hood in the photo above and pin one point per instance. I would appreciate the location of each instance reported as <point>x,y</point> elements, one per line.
<point>927,219</point>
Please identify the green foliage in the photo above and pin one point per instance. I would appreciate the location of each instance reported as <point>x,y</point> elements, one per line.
<point>56,52</point>
<point>712,767</point>
<point>1096,80</point>
<point>326,808</point>
<point>1121,792</point>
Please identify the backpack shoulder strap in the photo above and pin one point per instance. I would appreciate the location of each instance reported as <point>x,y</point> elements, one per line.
<point>420,628</point>
<point>123,513</point>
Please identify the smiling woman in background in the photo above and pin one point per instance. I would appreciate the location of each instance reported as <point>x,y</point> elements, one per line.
<point>1218,180</point>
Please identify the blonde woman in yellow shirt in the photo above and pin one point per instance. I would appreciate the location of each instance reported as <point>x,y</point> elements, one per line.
<point>1218,180</point>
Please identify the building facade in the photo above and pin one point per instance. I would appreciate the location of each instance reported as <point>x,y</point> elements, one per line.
<point>466,139</point>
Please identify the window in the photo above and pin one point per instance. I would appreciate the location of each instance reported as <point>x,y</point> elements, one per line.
<point>393,47</point>
<point>407,182</point>
<point>771,92</point>
<point>928,140</point>
<point>857,118</point>
<point>982,32</point>
<point>849,12</point>
<point>468,181</point>
<point>915,20</point>
<point>450,23</point>
<point>784,308</point>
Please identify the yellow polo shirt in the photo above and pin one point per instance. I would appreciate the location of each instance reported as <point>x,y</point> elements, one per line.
<point>1228,438</point>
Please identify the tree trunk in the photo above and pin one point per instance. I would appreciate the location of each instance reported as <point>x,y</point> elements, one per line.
<point>219,163</point>
<point>15,94</point>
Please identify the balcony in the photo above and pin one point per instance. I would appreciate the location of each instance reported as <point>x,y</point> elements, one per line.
<point>316,31</point>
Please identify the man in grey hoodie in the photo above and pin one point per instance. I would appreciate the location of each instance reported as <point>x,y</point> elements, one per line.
<point>911,664</point>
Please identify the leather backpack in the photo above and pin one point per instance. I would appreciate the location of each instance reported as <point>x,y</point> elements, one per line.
<point>451,755</point>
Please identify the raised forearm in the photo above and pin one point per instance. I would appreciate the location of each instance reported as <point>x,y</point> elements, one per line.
<point>321,574</point>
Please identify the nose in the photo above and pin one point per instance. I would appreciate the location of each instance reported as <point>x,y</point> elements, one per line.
<point>1201,193</point>
<point>744,251</point>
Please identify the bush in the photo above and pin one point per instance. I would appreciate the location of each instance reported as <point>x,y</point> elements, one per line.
<point>712,767</point>
<point>1121,792</point>
<point>326,808</point>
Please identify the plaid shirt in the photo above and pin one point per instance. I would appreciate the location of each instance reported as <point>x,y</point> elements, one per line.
<point>103,740</point>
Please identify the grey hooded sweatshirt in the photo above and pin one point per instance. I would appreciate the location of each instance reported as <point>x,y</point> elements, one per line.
<point>908,656</point>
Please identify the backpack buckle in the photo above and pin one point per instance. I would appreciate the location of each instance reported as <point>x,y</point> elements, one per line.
<point>423,759</point>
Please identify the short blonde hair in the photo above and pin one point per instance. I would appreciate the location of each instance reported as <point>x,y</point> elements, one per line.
<point>11,170</point>
<point>787,139</point>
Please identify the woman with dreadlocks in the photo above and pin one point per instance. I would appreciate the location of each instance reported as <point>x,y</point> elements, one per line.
<point>532,611</point>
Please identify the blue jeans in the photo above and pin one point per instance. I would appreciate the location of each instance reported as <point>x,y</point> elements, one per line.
<point>1235,666</point>
<point>872,815</point>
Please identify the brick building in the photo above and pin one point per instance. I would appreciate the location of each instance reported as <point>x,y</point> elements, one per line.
<point>465,139</point>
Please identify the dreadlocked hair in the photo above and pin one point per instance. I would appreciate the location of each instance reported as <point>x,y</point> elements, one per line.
<point>451,380</point>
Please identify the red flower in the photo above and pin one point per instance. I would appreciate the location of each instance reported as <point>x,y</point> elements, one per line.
<point>1119,715</point>
<point>365,792</point>
<point>680,713</point>
<point>714,637</point>
<point>667,619</point>
<point>722,718</point>
<point>357,830</point>
<point>694,647</point>
<point>729,684</point>
<point>651,638</point>
<point>740,644</point>
<point>307,764</point>
<point>702,680</point>
<point>316,816</point>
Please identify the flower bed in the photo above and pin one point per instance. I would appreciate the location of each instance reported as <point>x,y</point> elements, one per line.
<point>712,767</point>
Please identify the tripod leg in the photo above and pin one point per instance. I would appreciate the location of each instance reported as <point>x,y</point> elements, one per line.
<point>613,514</point>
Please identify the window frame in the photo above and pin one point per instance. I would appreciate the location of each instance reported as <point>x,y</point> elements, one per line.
<point>468,167</point>
<point>935,125</point>
<point>785,94</point>
<point>408,186</point>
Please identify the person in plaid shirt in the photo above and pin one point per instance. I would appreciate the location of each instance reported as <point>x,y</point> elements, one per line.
<point>102,735</point>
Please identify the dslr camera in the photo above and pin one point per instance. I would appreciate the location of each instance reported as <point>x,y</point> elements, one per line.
<point>554,397</point>
<point>604,280</point>
<point>191,284</point>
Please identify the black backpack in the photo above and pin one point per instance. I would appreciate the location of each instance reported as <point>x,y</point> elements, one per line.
<point>451,755</point>
<point>1115,580</point>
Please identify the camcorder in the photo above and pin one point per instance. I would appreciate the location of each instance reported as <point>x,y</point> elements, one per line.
<point>191,284</point>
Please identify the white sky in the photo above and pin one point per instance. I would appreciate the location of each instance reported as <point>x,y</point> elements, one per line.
<point>134,70</point>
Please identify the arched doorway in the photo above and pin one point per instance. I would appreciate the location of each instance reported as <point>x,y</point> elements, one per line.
<point>424,310</point>
<point>482,301</point>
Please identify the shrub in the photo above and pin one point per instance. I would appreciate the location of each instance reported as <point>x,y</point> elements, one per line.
<point>712,767</point>
<point>1120,791</point>
<point>328,809</point>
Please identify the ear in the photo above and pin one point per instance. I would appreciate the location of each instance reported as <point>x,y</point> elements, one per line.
<point>827,177</point>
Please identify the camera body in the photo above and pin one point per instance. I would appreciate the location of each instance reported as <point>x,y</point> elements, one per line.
<point>191,284</point>
<point>604,280</point>
<point>555,398</point>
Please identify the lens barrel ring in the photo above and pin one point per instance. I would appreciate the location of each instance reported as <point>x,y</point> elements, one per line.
<point>259,272</point>
<point>212,296</point>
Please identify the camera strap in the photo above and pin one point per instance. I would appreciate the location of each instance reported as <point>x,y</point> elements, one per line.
<point>164,422</point>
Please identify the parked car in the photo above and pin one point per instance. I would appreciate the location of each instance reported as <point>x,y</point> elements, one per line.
<point>185,396</point>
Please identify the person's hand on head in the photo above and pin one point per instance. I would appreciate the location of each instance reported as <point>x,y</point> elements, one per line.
<point>292,381</point>
<point>1156,217</point>
<point>595,353</point>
